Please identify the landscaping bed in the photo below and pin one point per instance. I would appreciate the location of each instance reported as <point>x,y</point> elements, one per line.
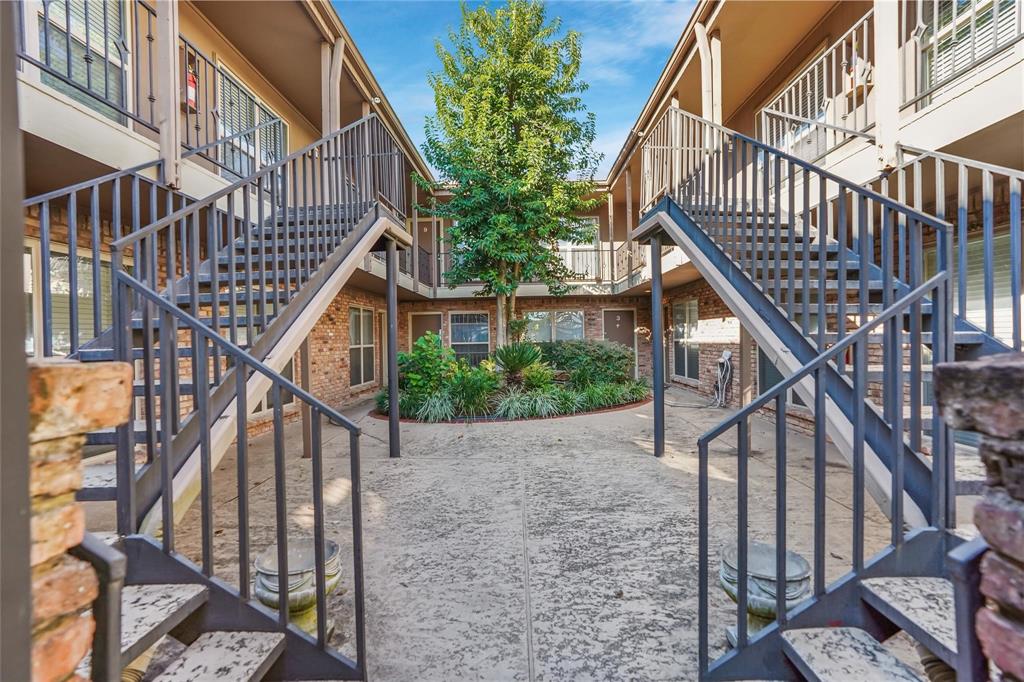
<point>520,381</point>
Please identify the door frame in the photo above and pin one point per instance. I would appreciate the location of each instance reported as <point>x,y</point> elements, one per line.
<point>636,342</point>
<point>439,313</point>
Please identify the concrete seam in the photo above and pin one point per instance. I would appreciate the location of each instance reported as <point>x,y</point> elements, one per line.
<point>526,579</point>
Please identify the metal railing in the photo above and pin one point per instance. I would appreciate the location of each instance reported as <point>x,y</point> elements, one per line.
<point>426,266</point>
<point>211,277</point>
<point>829,101</point>
<point>76,310</point>
<point>105,660</point>
<point>984,204</point>
<point>629,258</point>
<point>941,41</point>
<point>824,251</point>
<point>99,53</point>
<point>583,264</point>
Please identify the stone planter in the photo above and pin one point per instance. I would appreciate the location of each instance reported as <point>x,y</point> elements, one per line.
<point>301,580</point>
<point>762,585</point>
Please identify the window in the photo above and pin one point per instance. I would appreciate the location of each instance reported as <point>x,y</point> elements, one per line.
<point>559,325</point>
<point>239,110</point>
<point>360,346</point>
<point>61,297</point>
<point>471,336</point>
<point>684,332</point>
<point>97,53</point>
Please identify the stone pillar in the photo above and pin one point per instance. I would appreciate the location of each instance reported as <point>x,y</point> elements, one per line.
<point>987,396</point>
<point>66,400</point>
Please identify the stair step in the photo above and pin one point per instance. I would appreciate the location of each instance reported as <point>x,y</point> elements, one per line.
<point>221,656</point>
<point>798,266</point>
<point>842,655</point>
<point>107,354</point>
<point>854,308</point>
<point>240,295</point>
<point>960,338</point>
<point>184,388</point>
<point>224,321</point>
<point>832,284</point>
<point>109,436</point>
<point>148,612</point>
<point>239,260</point>
<point>921,606</point>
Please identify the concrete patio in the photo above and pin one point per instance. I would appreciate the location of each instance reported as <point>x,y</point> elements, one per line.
<point>541,550</point>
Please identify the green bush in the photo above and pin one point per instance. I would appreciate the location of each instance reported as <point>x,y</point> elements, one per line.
<point>515,403</point>
<point>636,390</point>
<point>538,377</point>
<point>436,407</point>
<point>424,370</point>
<point>408,404</point>
<point>472,388</point>
<point>514,358</point>
<point>608,362</point>
<point>569,401</point>
<point>544,404</point>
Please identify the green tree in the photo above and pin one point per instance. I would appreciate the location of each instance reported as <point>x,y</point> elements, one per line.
<point>512,141</point>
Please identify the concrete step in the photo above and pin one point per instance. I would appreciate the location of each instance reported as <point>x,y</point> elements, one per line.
<point>960,338</point>
<point>109,436</point>
<point>148,612</point>
<point>107,354</point>
<point>923,607</point>
<point>843,655</point>
<point>222,656</point>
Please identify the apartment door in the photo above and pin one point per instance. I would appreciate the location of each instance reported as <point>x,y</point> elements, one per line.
<point>620,327</point>
<point>421,323</point>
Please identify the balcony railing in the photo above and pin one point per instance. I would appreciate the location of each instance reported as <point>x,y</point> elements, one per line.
<point>101,54</point>
<point>829,101</point>
<point>942,41</point>
<point>426,266</point>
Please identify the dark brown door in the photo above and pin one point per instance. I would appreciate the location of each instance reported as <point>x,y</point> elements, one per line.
<point>620,327</point>
<point>423,323</point>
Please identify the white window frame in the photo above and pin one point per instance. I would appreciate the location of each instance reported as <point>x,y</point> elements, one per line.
<point>685,303</point>
<point>251,150</point>
<point>451,326</point>
<point>362,346</point>
<point>552,313</point>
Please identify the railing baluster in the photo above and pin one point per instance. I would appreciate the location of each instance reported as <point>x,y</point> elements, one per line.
<point>780,507</point>
<point>168,404</point>
<point>280,507</point>
<point>988,229</point>
<point>318,526</point>
<point>97,282</point>
<point>703,522</point>
<point>962,225</point>
<point>242,472</point>
<point>72,218</point>
<point>45,263</point>
<point>742,463</point>
<point>1015,256</point>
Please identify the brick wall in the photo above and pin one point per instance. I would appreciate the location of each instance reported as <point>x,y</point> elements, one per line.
<point>66,400</point>
<point>987,397</point>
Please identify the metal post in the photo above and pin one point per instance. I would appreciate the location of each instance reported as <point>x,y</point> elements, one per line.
<point>15,574</point>
<point>658,348</point>
<point>307,417</point>
<point>394,446</point>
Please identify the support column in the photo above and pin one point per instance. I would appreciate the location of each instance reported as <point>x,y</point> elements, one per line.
<point>706,74</point>
<point>168,90</point>
<point>611,236</point>
<point>394,446</point>
<point>887,82</point>
<point>629,221</point>
<point>716,77</point>
<point>747,350</point>
<point>415,240</point>
<point>657,347</point>
<point>435,245</point>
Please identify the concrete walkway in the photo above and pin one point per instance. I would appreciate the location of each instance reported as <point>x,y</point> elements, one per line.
<point>543,550</point>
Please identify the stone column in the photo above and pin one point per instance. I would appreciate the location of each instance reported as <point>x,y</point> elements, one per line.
<point>987,396</point>
<point>66,400</point>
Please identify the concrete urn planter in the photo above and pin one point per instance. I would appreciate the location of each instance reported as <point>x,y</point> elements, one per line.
<point>301,580</point>
<point>762,585</point>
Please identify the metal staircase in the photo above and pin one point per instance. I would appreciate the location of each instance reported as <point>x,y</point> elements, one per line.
<point>849,293</point>
<point>211,299</point>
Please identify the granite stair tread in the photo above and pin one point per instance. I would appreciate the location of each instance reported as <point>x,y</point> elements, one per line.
<point>148,612</point>
<point>226,657</point>
<point>843,654</point>
<point>923,606</point>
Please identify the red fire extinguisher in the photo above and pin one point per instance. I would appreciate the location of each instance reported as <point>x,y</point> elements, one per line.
<point>191,85</point>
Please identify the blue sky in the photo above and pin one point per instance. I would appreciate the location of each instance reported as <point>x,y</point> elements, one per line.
<point>625,46</point>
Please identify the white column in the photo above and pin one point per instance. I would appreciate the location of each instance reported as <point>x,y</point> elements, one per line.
<point>629,220</point>
<point>706,76</point>
<point>886,71</point>
<point>167,90</point>
<point>716,77</point>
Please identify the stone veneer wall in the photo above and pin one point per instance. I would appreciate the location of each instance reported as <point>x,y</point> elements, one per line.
<point>987,396</point>
<point>66,400</point>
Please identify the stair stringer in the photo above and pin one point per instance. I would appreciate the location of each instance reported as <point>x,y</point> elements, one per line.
<point>275,348</point>
<point>878,479</point>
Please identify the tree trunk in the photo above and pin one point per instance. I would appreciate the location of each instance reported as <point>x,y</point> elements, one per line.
<point>511,310</point>
<point>501,325</point>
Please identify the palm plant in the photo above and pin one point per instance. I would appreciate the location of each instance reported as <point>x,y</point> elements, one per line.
<point>514,358</point>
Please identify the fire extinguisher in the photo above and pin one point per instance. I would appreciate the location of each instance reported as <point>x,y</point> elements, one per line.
<point>191,85</point>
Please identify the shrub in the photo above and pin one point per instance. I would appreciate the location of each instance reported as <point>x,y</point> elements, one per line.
<point>608,361</point>
<point>515,403</point>
<point>424,369</point>
<point>569,401</point>
<point>436,407</point>
<point>538,377</point>
<point>636,390</point>
<point>544,404</point>
<point>514,358</point>
<point>471,388</point>
<point>583,376</point>
<point>408,404</point>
